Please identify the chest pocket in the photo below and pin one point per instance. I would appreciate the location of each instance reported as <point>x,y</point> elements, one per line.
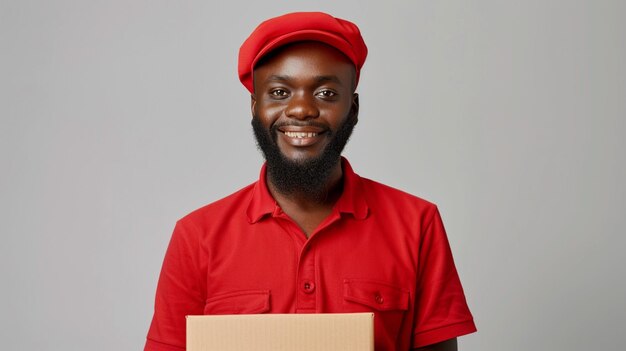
<point>389,304</point>
<point>375,295</point>
<point>239,302</point>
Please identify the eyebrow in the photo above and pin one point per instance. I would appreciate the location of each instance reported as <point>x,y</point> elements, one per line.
<point>318,79</point>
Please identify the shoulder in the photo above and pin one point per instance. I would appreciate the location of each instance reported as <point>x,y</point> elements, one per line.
<point>228,208</point>
<point>397,205</point>
<point>378,192</point>
<point>386,200</point>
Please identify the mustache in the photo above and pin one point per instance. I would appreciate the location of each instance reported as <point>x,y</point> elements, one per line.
<point>295,123</point>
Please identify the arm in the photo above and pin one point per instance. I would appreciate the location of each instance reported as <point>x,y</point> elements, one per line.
<point>180,291</point>
<point>448,345</point>
<point>441,309</point>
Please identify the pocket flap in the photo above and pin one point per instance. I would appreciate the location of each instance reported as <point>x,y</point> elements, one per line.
<point>239,302</point>
<point>377,295</point>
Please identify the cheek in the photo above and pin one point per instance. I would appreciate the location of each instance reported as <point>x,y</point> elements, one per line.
<point>269,112</point>
<point>339,114</point>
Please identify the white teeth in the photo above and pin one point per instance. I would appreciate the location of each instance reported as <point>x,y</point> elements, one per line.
<point>300,134</point>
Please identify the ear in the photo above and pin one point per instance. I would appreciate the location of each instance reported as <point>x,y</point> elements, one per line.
<point>354,109</point>
<point>252,103</point>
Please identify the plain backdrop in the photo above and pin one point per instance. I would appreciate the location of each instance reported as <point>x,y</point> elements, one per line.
<point>119,117</point>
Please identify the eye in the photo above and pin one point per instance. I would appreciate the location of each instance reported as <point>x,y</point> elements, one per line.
<point>326,94</point>
<point>279,93</point>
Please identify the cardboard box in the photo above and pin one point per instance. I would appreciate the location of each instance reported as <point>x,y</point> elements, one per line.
<point>281,332</point>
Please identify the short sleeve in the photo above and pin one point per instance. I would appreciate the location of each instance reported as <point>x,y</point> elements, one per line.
<point>441,308</point>
<point>180,292</point>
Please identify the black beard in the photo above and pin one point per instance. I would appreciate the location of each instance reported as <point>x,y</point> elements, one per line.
<point>308,176</point>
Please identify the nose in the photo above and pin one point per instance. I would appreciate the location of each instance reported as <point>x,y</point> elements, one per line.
<point>302,106</point>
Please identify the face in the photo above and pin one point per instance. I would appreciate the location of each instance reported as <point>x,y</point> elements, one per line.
<point>304,109</point>
<point>303,94</point>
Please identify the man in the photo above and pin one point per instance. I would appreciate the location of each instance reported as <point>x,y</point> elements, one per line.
<point>311,236</point>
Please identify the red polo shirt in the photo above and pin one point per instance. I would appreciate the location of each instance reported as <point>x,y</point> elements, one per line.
<point>380,250</point>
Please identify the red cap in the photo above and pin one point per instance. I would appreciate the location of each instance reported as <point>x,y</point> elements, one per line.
<point>300,26</point>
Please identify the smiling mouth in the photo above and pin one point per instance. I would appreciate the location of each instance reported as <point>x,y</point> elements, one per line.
<point>300,135</point>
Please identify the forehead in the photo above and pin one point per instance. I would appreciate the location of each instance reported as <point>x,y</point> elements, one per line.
<point>305,59</point>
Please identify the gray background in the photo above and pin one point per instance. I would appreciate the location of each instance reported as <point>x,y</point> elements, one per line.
<point>119,117</point>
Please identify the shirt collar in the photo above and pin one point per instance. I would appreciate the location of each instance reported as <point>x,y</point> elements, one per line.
<point>351,201</point>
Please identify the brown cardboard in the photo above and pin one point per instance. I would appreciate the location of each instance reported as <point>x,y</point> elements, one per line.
<point>281,332</point>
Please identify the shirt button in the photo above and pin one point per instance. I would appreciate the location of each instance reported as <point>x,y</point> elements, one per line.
<point>379,298</point>
<point>308,287</point>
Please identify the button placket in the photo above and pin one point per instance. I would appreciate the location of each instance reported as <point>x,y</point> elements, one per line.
<point>306,289</point>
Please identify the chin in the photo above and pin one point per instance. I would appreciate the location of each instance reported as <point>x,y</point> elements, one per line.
<point>300,160</point>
